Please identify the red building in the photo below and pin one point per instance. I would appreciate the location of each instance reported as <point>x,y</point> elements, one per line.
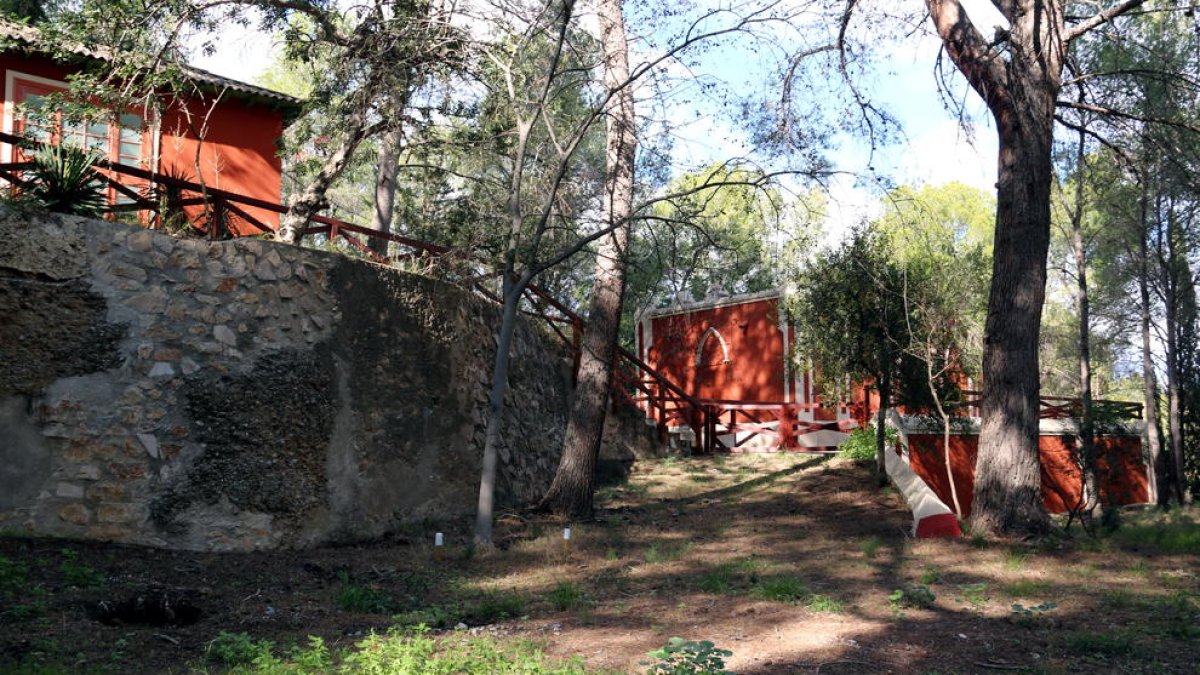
<point>224,136</point>
<point>735,354</point>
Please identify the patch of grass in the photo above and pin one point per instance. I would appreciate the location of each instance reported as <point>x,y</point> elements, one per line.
<point>353,597</point>
<point>824,603</point>
<point>495,606</point>
<point>1014,561</point>
<point>1118,599</point>
<point>930,576</point>
<point>718,579</point>
<point>701,478</point>
<point>1140,569</point>
<point>975,595</point>
<point>13,574</point>
<point>1180,537</point>
<point>436,616</point>
<point>665,552</point>
<point>1101,644</point>
<point>780,589</point>
<point>911,595</point>
<point>565,596</point>
<point>978,541</point>
<point>78,574</point>
<point>233,650</point>
<point>870,546</point>
<point>1026,588</point>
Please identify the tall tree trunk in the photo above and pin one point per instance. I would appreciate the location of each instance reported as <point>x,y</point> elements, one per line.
<point>1020,90</point>
<point>571,492</point>
<point>386,172</point>
<point>1153,435</point>
<point>1171,281</point>
<point>1087,440</point>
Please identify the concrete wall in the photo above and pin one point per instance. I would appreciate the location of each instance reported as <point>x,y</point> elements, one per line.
<point>245,394</point>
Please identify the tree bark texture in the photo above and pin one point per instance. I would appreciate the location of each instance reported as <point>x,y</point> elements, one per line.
<point>1153,434</point>
<point>302,207</point>
<point>1176,271</point>
<point>1020,85</point>
<point>571,492</point>
<point>1087,435</point>
<point>385,187</point>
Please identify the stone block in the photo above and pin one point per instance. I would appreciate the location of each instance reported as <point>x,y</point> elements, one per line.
<point>141,241</point>
<point>149,444</point>
<point>188,366</point>
<point>128,272</point>
<point>68,491</point>
<point>224,335</point>
<point>87,472</point>
<point>107,492</point>
<point>76,514</point>
<point>226,285</point>
<point>167,354</point>
<point>115,513</point>
<point>162,370</point>
<point>150,302</point>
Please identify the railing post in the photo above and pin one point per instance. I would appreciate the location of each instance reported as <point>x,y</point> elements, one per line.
<point>333,232</point>
<point>787,427</point>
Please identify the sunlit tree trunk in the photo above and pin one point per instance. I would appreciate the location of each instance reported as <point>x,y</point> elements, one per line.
<point>387,170</point>
<point>1153,435</point>
<point>572,490</point>
<point>1087,440</point>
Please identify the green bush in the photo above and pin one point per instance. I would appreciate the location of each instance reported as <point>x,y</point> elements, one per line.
<point>566,595</point>
<point>679,657</point>
<point>234,650</point>
<point>358,598</point>
<point>860,446</point>
<point>63,179</point>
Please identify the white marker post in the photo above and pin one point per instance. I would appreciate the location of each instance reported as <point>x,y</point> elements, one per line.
<point>566,543</point>
<point>439,546</point>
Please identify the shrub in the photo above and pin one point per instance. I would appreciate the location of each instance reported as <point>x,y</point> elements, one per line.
<point>566,596</point>
<point>860,446</point>
<point>234,650</point>
<point>63,180</point>
<point>358,598</point>
<point>679,657</point>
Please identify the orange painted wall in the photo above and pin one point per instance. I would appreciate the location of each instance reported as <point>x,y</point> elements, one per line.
<point>239,151</point>
<point>1122,472</point>
<point>755,351</point>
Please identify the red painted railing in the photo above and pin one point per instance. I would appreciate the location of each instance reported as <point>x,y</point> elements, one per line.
<point>1060,407</point>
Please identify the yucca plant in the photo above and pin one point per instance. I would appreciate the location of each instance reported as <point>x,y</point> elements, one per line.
<point>63,179</point>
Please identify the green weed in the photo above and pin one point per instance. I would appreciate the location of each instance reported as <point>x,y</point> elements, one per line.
<point>975,595</point>
<point>234,650</point>
<point>358,598</point>
<point>679,657</point>
<point>870,546</point>
<point>1180,537</point>
<point>1101,644</point>
<point>718,580</point>
<point>930,576</point>
<point>911,595</point>
<point>13,574</point>
<point>566,596</point>
<point>662,553</point>
<point>781,589</point>
<point>492,607</point>
<point>1026,588</point>
<point>1014,561</point>
<point>78,574</point>
<point>824,603</point>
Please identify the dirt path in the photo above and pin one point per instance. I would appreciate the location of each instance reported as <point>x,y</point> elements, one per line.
<point>789,561</point>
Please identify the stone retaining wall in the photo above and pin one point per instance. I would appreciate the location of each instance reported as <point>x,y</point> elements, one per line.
<point>245,394</point>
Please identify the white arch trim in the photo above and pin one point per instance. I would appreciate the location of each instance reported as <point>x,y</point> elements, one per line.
<point>711,332</point>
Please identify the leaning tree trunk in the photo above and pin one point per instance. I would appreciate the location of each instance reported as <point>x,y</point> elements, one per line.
<point>385,187</point>
<point>302,207</point>
<point>1019,89</point>
<point>571,492</point>
<point>1153,435</point>
<point>1087,434</point>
